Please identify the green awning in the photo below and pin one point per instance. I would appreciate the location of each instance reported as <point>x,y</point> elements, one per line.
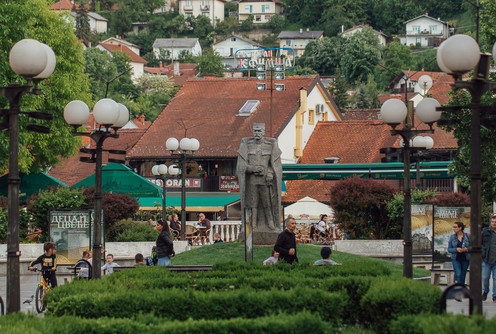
<point>120,178</point>
<point>195,201</point>
<point>31,183</point>
<point>378,171</point>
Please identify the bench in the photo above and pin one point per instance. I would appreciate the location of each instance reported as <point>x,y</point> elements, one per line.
<point>449,273</point>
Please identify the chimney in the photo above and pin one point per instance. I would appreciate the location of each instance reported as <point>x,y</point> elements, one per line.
<point>160,65</point>
<point>308,29</point>
<point>176,69</point>
<point>142,119</point>
<point>301,30</point>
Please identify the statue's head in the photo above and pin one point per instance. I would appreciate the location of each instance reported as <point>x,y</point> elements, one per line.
<point>258,130</point>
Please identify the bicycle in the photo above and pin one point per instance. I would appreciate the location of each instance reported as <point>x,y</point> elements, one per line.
<point>41,291</point>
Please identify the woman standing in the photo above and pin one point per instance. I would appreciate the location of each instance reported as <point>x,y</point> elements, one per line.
<point>165,245</point>
<point>458,245</point>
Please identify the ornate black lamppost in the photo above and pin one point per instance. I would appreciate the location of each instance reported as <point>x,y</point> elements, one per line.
<point>457,55</point>
<point>110,116</point>
<point>394,112</point>
<point>186,145</point>
<point>35,62</point>
<point>160,171</point>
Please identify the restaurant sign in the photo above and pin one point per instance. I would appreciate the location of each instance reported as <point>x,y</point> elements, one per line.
<point>248,59</point>
<point>176,183</point>
<point>229,183</point>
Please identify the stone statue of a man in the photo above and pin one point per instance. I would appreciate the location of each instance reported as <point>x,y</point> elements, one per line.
<point>259,173</point>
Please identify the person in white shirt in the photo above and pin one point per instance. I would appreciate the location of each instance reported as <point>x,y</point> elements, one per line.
<point>109,266</point>
<point>322,226</point>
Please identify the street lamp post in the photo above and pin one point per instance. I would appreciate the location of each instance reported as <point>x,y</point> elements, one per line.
<point>160,171</point>
<point>394,112</point>
<point>277,73</point>
<point>186,145</point>
<point>35,62</point>
<point>110,116</point>
<point>457,55</point>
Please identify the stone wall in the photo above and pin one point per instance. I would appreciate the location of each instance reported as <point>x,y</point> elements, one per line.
<point>371,248</point>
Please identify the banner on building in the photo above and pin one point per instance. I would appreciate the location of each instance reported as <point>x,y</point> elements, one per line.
<point>228,183</point>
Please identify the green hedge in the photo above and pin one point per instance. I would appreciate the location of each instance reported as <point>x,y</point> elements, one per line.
<point>302,322</point>
<point>446,323</point>
<point>181,305</point>
<point>388,299</point>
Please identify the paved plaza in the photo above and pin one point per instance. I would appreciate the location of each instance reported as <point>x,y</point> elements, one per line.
<point>29,283</point>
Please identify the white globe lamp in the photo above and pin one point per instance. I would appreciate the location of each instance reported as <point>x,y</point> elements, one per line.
<point>106,112</point>
<point>393,112</point>
<point>28,58</point>
<point>76,113</point>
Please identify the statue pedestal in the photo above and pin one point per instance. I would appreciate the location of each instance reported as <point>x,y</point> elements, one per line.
<point>262,237</point>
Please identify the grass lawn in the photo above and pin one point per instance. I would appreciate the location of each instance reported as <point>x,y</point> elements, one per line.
<point>235,251</point>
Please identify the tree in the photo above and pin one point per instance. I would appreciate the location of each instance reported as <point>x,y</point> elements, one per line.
<point>298,70</point>
<point>210,63</point>
<point>39,205</point>
<point>360,56</point>
<point>68,82</point>
<point>201,26</point>
<point>343,13</point>
<point>396,58</point>
<point>338,90</point>
<point>121,20</point>
<point>389,15</point>
<point>488,24</point>
<point>247,24</point>
<point>367,95</point>
<point>323,55</point>
<point>360,208</point>
<point>83,31</point>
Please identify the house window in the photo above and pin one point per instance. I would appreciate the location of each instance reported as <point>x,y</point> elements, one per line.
<point>324,117</point>
<point>207,14</point>
<point>206,2</point>
<point>311,116</point>
<point>248,8</point>
<point>186,15</point>
<point>306,41</point>
<point>248,107</point>
<point>265,8</point>
<point>189,3</point>
<point>233,39</point>
<point>418,40</point>
<point>258,18</point>
<point>432,29</point>
<point>416,29</point>
<point>289,42</point>
<point>231,52</point>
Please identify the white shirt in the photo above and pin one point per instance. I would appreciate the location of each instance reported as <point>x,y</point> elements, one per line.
<point>322,226</point>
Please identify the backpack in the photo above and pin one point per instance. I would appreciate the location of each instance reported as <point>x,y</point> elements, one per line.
<point>149,261</point>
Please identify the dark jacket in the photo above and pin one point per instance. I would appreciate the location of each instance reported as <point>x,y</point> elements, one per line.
<point>165,245</point>
<point>175,225</point>
<point>486,241</point>
<point>285,241</point>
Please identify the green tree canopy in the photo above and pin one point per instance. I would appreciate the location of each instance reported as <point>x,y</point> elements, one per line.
<point>210,63</point>
<point>396,58</point>
<point>360,56</point>
<point>323,55</point>
<point>67,83</point>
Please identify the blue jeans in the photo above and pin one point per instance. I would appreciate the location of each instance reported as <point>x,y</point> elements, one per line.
<point>487,269</point>
<point>460,268</point>
<point>164,261</point>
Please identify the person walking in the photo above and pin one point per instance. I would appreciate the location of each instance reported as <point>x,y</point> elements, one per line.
<point>286,243</point>
<point>458,245</point>
<point>165,245</point>
<point>489,257</point>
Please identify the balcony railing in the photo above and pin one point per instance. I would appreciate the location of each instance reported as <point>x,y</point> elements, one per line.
<point>187,8</point>
<point>205,8</point>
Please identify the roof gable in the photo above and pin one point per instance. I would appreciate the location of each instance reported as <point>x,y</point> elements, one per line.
<point>424,16</point>
<point>175,42</point>
<point>122,48</point>
<point>208,108</point>
<point>249,41</point>
<point>301,34</point>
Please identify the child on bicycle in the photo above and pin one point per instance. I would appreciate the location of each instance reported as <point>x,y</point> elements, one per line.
<point>48,263</point>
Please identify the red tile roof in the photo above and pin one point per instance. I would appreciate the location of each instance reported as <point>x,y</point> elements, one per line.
<point>186,71</point>
<point>141,123</point>
<point>63,5</point>
<point>71,170</point>
<point>119,47</point>
<point>208,108</point>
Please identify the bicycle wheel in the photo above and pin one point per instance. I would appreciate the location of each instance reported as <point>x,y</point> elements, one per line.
<point>2,309</point>
<point>40,294</point>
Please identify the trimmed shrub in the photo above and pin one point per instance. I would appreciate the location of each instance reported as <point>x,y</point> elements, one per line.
<point>181,305</point>
<point>129,230</point>
<point>388,299</point>
<point>303,322</point>
<point>436,323</point>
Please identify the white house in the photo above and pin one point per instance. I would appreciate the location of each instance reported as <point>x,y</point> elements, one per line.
<point>262,10</point>
<point>228,46</point>
<point>350,32</point>
<point>213,9</point>
<point>298,40</point>
<point>137,63</point>
<point>98,23</point>
<point>175,46</point>
<point>425,31</point>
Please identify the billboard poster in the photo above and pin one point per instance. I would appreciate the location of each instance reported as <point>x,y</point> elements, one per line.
<point>71,232</point>
<point>444,217</point>
<point>432,226</point>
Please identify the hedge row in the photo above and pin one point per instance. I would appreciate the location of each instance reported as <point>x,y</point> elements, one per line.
<point>386,301</point>
<point>302,322</point>
<point>446,323</point>
<point>180,305</point>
